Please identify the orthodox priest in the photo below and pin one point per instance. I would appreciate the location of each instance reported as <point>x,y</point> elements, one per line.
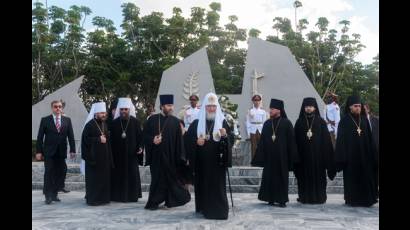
<point>209,155</point>
<point>356,155</point>
<point>96,153</point>
<point>316,155</point>
<point>277,154</point>
<point>126,140</point>
<point>165,154</point>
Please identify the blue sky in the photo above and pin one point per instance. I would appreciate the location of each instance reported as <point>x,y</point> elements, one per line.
<point>363,14</point>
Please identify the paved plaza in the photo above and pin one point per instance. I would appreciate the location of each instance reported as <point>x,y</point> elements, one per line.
<point>250,213</point>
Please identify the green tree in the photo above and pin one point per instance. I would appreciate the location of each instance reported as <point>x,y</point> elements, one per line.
<point>296,5</point>
<point>254,33</point>
<point>131,63</point>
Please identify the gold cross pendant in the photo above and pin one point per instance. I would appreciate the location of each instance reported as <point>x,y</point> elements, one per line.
<point>309,134</point>
<point>359,131</point>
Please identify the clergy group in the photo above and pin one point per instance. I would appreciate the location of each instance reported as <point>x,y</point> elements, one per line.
<point>196,150</point>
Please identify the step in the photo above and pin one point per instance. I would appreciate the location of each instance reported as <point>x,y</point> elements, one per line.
<point>38,168</point>
<point>235,180</point>
<point>80,186</point>
<point>243,179</point>
<point>242,188</point>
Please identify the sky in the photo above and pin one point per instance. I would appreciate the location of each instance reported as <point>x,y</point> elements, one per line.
<point>362,14</point>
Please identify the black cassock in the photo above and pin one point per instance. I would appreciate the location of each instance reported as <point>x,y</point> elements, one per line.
<point>357,157</point>
<point>125,177</point>
<point>209,172</point>
<point>165,161</point>
<point>316,158</point>
<point>98,162</point>
<point>277,159</point>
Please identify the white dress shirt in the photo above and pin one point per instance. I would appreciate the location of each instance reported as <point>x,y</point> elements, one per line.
<point>333,114</point>
<point>190,115</point>
<point>55,119</point>
<point>255,119</point>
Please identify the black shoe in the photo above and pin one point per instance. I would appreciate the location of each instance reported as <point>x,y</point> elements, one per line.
<point>64,191</point>
<point>48,200</point>
<point>270,203</point>
<point>282,205</point>
<point>55,199</point>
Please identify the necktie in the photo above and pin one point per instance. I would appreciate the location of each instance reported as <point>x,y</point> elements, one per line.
<point>58,124</point>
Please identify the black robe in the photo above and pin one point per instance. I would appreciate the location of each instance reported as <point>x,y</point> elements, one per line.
<point>165,160</point>
<point>316,158</point>
<point>358,158</point>
<point>98,163</point>
<point>277,159</point>
<point>209,172</point>
<point>125,177</point>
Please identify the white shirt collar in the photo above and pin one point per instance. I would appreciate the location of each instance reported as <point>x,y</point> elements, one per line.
<point>54,116</point>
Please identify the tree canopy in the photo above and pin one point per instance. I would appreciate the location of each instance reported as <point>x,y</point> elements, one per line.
<point>131,63</point>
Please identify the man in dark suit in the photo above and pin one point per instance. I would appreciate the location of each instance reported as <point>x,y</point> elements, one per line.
<point>54,129</point>
<point>374,124</point>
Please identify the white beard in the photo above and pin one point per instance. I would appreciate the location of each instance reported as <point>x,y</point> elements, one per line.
<point>210,116</point>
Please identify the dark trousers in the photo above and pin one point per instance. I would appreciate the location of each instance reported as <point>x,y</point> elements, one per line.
<point>254,142</point>
<point>55,169</point>
<point>61,175</point>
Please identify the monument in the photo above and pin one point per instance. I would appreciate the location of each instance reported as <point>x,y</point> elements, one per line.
<point>271,70</point>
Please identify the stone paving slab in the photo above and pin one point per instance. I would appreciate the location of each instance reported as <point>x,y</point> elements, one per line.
<point>250,213</point>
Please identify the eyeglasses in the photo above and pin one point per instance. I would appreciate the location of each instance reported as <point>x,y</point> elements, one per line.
<point>57,106</point>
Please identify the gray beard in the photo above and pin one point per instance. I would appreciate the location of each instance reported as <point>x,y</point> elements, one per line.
<point>210,116</point>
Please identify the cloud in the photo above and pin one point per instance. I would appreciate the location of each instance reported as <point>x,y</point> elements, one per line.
<point>369,38</point>
<point>259,14</point>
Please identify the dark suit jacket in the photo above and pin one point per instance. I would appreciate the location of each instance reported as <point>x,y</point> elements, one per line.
<point>55,143</point>
<point>374,122</point>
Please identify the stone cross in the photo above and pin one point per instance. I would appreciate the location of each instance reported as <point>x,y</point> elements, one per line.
<point>255,78</point>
